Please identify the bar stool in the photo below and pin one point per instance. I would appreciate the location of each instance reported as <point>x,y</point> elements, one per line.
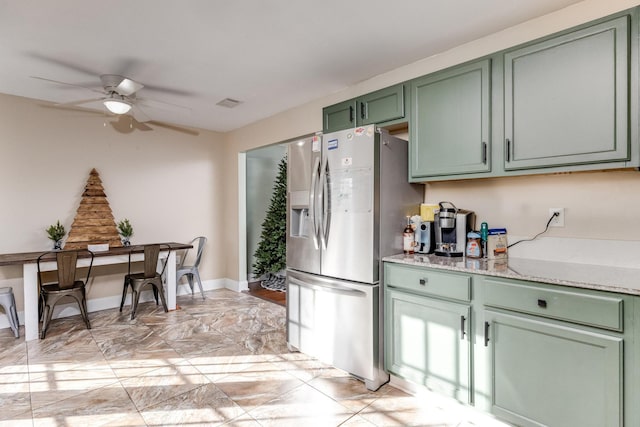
<point>8,301</point>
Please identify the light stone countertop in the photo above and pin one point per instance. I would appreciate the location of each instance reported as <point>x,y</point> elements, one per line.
<point>599,277</point>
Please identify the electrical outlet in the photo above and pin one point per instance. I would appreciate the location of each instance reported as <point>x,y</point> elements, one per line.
<point>557,221</point>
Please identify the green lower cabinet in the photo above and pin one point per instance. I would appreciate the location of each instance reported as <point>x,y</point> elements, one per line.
<point>547,373</point>
<point>427,342</point>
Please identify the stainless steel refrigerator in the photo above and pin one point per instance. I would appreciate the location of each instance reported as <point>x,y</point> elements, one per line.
<point>347,202</point>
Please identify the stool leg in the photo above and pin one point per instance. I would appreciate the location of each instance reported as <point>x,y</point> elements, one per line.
<point>190,280</point>
<point>160,291</point>
<point>48,311</point>
<point>135,296</point>
<point>15,320</point>
<point>197,274</point>
<point>82,304</point>
<point>9,309</point>
<point>124,293</point>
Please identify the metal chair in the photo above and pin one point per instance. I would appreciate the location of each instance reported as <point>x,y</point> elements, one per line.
<point>8,301</point>
<point>67,285</point>
<point>191,271</point>
<point>149,276</point>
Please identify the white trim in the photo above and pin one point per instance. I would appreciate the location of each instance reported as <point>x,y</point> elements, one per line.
<point>237,285</point>
<point>242,218</point>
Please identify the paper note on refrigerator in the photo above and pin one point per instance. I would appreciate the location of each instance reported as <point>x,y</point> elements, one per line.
<point>351,190</point>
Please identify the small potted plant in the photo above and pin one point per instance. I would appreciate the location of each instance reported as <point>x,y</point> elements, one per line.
<point>126,231</point>
<point>56,232</point>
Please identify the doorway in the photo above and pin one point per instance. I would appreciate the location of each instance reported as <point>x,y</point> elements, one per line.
<point>261,171</point>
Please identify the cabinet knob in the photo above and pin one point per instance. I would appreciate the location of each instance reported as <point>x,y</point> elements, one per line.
<point>542,303</point>
<point>424,281</point>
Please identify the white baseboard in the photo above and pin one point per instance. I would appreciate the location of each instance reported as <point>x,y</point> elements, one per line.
<point>97,304</point>
<point>237,285</point>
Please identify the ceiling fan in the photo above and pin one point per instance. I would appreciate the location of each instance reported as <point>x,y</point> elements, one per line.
<point>119,95</point>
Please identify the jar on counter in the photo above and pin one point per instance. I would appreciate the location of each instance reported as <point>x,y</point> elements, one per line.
<point>474,245</point>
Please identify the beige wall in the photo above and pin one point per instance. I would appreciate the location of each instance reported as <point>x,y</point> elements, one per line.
<point>169,184</point>
<point>521,203</point>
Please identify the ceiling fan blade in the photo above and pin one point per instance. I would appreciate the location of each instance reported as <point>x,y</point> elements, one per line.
<point>169,90</point>
<point>119,84</point>
<point>162,105</point>
<point>128,87</point>
<point>175,128</point>
<point>66,64</point>
<point>75,109</point>
<point>68,84</point>
<point>127,124</point>
<point>139,115</point>
<point>79,102</point>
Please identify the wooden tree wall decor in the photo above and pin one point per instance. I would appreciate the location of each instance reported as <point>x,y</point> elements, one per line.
<point>94,223</point>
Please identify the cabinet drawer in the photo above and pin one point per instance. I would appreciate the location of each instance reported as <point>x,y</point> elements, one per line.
<point>594,310</point>
<point>428,282</point>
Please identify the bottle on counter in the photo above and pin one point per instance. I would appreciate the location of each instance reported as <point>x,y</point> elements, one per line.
<point>474,245</point>
<point>484,235</point>
<point>408,236</point>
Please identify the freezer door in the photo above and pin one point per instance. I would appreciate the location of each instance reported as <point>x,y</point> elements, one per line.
<point>303,174</point>
<point>334,321</point>
<point>348,234</point>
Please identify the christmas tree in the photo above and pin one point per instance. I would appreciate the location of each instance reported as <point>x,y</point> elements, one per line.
<point>271,254</point>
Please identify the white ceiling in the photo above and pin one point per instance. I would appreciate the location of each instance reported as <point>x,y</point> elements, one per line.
<point>270,54</point>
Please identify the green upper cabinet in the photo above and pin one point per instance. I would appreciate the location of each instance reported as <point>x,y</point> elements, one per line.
<point>339,116</point>
<point>381,106</point>
<point>567,99</point>
<point>450,122</point>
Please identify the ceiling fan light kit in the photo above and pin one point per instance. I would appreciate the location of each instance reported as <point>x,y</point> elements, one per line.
<point>117,105</point>
<point>120,97</point>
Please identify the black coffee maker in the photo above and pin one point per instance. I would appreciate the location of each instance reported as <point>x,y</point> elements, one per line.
<point>451,228</point>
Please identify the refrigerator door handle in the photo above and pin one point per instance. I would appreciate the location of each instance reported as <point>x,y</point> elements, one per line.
<point>333,288</point>
<point>312,202</point>
<point>325,204</point>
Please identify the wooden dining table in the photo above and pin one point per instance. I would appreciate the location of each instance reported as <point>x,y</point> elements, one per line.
<point>115,255</point>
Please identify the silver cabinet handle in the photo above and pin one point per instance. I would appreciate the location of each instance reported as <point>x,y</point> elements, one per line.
<point>462,331</point>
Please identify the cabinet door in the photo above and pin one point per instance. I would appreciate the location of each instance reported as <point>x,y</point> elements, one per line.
<point>339,116</point>
<point>380,106</point>
<point>427,342</point>
<point>450,121</point>
<point>566,99</point>
<point>546,374</point>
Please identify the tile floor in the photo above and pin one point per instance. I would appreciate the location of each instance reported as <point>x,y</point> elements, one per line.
<point>221,361</point>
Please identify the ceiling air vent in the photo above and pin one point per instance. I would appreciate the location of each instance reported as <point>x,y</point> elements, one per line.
<point>229,103</point>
